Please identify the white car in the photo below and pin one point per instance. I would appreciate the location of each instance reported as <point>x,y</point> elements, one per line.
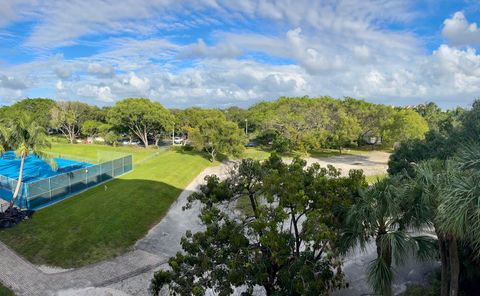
<point>177,140</point>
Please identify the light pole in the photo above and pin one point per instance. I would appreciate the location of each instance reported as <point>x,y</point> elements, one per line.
<point>246,127</point>
<point>173,135</point>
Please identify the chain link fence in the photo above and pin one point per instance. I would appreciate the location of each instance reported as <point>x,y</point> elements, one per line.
<point>37,194</point>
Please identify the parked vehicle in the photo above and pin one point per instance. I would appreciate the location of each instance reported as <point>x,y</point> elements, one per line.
<point>177,140</point>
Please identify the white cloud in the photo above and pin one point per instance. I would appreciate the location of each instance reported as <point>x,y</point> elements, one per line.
<point>11,83</point>
<point>459,31</point>
<point>100,93</point>
<point>201,50</point>
<point>324,47</point>
<point>63,72</point>
<point>59,85</point>
<point>100,70</point>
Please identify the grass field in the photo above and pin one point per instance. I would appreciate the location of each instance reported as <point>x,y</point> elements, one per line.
<point>4,291</point>
<point>99,224</point>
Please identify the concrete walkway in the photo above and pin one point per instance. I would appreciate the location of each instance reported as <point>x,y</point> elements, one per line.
<point>130,274</point>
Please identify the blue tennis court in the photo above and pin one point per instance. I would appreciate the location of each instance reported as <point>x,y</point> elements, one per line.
<point>36,169</point>
<point>42,185</point>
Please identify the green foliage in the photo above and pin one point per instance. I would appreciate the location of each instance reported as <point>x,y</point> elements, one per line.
<point>286,241</point>
<point>239,115</point>
<point>346,131</point>
<point>411,152</point>
<point>24,136</point>
<point>281,144</point>
<point>91,128</point>
<point>380,214</point>
<point>4,291</point>
<point>68,118</point>
<point>209,130</point>
<point>141,117</point>
<point>449,131</point>
<point>324,122</point>
<point>404,125</point>
<point>38,108</point>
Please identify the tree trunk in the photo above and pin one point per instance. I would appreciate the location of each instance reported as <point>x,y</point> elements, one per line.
<point>145,138</point>
<point>445,277</point>
<point>268,291</point>
<point>340,148</point>
<point>213,153</point>
<point>454,266</point>
<point>386,255</point>
<point>71,134</point>
<point>19,181</point>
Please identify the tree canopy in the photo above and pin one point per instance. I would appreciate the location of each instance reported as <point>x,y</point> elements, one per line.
<point>68,118</point>
<point>217,135</point>
<point>286,245</point>
<point>141,117</point>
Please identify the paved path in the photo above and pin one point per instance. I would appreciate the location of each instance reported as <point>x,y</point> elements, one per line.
<point>130,274</point>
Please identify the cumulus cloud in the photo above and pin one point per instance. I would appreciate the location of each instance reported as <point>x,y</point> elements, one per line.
<point>59,85</point>
<point>99,93</point>
<point>63,72</point>
<point>99,70</point>
<point>459,31</point>
<point>339,48</point>
<point>201,50</point>
<point>11,83</point>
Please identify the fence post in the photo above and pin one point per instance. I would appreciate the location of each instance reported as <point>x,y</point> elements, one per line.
<point>50,187</point>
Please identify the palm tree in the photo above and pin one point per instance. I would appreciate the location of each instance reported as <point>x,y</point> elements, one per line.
<point>378,215</point>
<point>428,190</point>
<point>26,137</point>
<point>459,212</point>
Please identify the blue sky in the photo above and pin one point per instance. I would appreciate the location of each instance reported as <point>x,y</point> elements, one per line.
<point>220,53</point>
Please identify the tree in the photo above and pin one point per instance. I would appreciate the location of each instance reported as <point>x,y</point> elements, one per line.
<point>91,128</point>
<point>430,190</point>
<point>404,125</point>
<point>217,135</point>
<point>458,217</point>
<point>379,216</point>
<point>346,130</point>
<point>38,108</point>
<point>140,116</point>
<point>286,245</point>
<point>68,118</point>
<point>26,137</point>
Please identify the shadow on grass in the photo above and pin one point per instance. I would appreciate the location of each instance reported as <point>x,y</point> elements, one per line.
<point>95,225</point>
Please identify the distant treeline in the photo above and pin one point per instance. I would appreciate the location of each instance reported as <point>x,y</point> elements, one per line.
<point>286,124</point>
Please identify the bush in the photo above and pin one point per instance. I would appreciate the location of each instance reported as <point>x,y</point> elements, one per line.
<point>281,144</point>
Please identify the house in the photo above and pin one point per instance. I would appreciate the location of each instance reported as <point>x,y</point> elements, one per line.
<point>371,138</point>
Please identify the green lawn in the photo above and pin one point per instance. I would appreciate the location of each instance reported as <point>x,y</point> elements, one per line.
<point>4,291</point>
<point>98,224</point>
<point>255,153</point>
<point>92,150</point>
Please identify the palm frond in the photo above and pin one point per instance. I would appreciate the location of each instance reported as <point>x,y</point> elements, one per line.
<point>426,247</point>
<point>380,276</point>
<point>398,241</point>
